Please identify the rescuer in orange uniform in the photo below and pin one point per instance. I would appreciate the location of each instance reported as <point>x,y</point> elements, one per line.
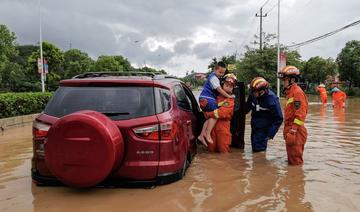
<point>339,98</point>
<point>296,109</point>
<point>221,134</point>
<point>322,91</point>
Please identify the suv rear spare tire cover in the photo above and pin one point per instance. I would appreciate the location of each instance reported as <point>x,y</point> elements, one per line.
<point>82,148</point>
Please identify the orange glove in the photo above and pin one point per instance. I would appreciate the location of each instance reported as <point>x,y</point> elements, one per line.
<point>291,137</point>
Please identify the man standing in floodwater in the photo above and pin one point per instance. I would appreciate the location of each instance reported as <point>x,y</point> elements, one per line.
<point>266,114</point>
<point>296,109</point>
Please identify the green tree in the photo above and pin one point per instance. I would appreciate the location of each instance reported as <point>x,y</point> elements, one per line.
<point>149,69</point>
<point>7,44</point>
<point>317,69</point>
<point>107,63</point>
<point>348,61</point>
<point>76,62</point>
<point>7,50</point>
<point>55,58</point>
<point>14,77</point>
<point>231,59</point>
<point>24,53</point>
<point>255,62</point>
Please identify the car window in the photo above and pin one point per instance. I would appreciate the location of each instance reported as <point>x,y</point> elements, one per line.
<point>163,100</point>
<point>118,103</point>
<point>189,96</point>
<point>181,99</point>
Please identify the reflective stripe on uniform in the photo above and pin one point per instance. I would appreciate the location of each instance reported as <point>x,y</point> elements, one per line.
<point>221,103</point>
<point>216,113</point>
<point>289,101</point>
<point>263,108</point>
<point>298,122</point>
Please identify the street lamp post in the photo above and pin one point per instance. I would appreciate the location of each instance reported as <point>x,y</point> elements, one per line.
<point>278,50</point>
<point>41,53</point>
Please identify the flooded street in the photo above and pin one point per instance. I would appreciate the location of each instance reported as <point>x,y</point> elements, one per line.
<point>241,181</point>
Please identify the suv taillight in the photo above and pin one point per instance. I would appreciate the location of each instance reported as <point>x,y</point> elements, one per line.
<point>40,130</point>
<point>167,131</point>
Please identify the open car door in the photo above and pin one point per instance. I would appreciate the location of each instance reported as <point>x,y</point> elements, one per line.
<point>238,120</point>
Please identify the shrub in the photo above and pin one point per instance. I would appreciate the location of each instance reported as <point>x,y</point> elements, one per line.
<point>16,104</point>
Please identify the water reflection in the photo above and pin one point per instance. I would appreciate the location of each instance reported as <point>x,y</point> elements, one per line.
<point>339,116</point>
<point>322,110</point>
<point>240,181</point>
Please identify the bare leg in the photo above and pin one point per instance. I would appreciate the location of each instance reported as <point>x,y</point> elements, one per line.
<point>202,134</point>
<point>209,128</point>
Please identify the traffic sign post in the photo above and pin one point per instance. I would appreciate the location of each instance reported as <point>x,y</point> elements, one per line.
<point>282,60</point>
<point>40,66</point>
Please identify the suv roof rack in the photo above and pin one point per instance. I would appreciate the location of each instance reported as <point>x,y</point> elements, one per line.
<point>106,74</point>
<point>163,76</point>
<point>153,75</point>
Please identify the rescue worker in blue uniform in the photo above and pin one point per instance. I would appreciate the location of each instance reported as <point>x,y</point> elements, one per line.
<point>266,115</point>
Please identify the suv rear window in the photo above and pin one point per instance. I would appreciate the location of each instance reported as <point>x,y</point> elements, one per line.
<point>116,102</point>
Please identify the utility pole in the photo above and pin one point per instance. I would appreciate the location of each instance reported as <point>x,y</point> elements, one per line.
<point>261,16</point>
<point>41,52</point>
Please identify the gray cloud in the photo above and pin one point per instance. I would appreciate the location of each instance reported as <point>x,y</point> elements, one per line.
<point>177,35</point>
<point>204,50</point>
<point>183,47</point>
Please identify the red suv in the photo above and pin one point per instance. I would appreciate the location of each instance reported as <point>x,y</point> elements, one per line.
<point>116,129</point>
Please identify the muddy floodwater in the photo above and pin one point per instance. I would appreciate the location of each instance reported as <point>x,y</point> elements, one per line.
<point>241,181</point>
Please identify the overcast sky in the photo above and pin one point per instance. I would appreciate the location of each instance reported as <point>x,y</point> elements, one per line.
<point>178,35</point>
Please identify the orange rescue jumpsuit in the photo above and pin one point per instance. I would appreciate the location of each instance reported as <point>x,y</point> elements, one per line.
<point>323,94</point>
<point>221,134</point>
<point>339,99</point>
<point>295,133</point>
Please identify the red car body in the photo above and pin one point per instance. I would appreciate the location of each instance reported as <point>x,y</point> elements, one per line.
<point>155,149</point>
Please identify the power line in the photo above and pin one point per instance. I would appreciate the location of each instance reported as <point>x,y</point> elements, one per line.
<point>324,35</point>
<point>267,1</point>
<point>249,31</point>
<point>273,7</point>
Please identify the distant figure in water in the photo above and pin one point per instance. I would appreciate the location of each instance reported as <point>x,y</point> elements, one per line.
<point>339,98</point>
<point>322,91</point>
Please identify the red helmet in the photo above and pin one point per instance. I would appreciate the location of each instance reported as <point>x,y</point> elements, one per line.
<point>289,71</point>
<point>259,83</point>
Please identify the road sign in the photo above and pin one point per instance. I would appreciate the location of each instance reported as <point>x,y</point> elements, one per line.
<point>40,66</point>
<point>46,67</point>
<point>282,60</point>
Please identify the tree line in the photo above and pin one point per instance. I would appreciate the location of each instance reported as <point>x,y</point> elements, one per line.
<point>19,71</point>
<point>255,62</point>
<point>18,64</point>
